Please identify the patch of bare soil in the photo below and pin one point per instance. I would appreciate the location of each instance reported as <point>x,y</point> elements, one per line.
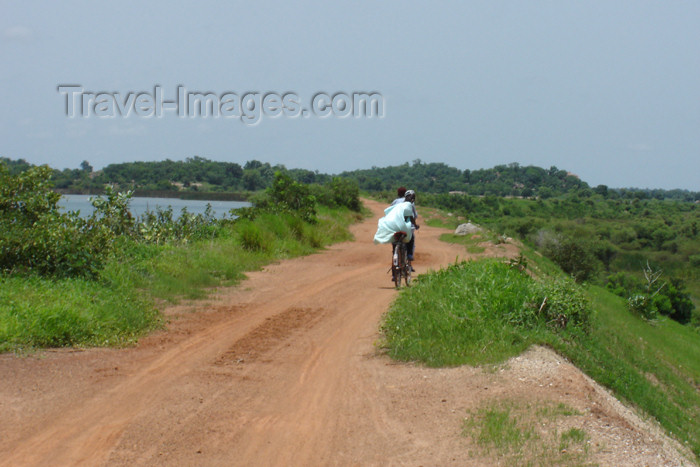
<point>283,370</point>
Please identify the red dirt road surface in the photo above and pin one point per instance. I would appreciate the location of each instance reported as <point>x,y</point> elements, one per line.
<point>284,370</point>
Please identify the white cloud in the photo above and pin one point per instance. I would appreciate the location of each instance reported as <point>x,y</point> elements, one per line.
<point>203,128</point>
<point>18,33</point>
<point>40,135</point>
<point>640,147</point>
<point>126,130</point>
<point>75,130</point>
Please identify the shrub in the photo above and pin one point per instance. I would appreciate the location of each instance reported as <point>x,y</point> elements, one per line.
<point>561,303</point>
<point>36,236</point>
<point>680,307</point>
<point>575,257</point>
<point>694,261</point>
<point>623,284</point>
<point>642,306</point>
<point>251,237</point>
<point>644,299</point>
<point>343,192</point>
<point>285,194</point>
<point>113,211</point>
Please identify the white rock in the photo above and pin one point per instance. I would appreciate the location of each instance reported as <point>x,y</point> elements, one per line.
<point>467,229</point>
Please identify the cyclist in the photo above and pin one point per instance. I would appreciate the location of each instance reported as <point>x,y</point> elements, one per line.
<point>410,196</point>
<point>396,221</point>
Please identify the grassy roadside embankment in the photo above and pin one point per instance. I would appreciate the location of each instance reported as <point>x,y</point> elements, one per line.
<point>484,312</point>
<point>121,303</point>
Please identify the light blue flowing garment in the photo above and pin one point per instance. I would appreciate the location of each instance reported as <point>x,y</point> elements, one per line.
<point>394,220</point>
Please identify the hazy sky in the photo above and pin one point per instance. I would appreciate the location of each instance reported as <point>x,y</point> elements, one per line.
<point>609,90</point>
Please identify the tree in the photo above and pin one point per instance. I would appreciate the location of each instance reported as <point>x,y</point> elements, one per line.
<point>683,306</point>
<point>252,180</point>
<point>289,195</point>
<point>574,256</point>
<point>253,164</point>
<point>602,190</point>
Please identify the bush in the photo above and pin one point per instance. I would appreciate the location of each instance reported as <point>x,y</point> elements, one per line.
<point>159,227</point>
<point>623,284</point>
<point>113,211</point>
<point>36,236</point>
<point>575,257</point>
<point>670,299</point>
<point>680,307</point>
<point>251,237</point>
<point>561,304</point>
<point>642,306</point>
<point>342,192</point>
<point>694,261</point>
<point>285,194</point>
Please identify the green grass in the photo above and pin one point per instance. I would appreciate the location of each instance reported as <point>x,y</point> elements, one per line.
<point>525,434</point>
<point>498,428</point>
<point>120,305</point>
<point>654,367</point>
<point>554,411</point>
<point>459,315</point>
<point>37,312</point>
<point>470,242</point>
<point>464,315</point>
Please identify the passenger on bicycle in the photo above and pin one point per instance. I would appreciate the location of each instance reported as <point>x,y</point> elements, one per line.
<point>402,193</point>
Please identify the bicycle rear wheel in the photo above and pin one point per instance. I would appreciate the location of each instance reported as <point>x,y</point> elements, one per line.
<point>406,267</point>
<point>396,267</point>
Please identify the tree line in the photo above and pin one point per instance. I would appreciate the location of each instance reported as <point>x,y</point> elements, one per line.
<point>199,174</point>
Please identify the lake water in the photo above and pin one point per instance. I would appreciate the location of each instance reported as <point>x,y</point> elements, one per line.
<point>138,206</point>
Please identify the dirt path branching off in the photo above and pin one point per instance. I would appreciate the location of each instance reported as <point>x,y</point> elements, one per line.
<point>284,370</point>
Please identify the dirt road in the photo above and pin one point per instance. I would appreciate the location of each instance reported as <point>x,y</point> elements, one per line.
<point>283,370</point>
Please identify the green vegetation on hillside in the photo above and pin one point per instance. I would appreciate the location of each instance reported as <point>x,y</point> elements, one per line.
<point>603,240</point>
<point>502,180</point>
<point>485,312</point>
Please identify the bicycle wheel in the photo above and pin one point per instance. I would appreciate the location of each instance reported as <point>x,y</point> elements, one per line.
<point>406,267</point>
<point>396,268</point>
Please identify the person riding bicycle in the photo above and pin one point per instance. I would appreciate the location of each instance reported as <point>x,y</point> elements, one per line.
<point>396,226</point>
<point>402,192</point>
<point>410,196</point>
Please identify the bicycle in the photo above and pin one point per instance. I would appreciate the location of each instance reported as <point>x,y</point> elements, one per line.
<point>400,265</point>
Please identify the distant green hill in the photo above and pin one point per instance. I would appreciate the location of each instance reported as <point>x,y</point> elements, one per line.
<point>204,175</point>
<point>502,180</point>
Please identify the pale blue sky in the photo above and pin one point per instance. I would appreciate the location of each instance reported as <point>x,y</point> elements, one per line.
<point>609,90</point>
